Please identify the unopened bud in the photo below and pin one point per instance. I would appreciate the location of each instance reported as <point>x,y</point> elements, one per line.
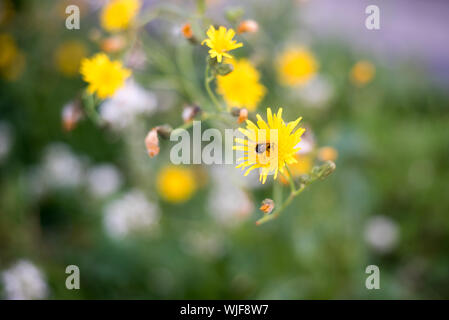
<point>224,69</point>
<point>267,206</point>
<point>152,143</point>
<point>113,44</point>
<point>164,131</point>
<point>190,112</point>
<point>71,114</point>
<point>243,115</point>
<point>249,26</point>
<point>187,31</point>
<point>324,170</point>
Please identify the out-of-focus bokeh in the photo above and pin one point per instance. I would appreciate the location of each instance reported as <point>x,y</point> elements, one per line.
<point>76,193</point>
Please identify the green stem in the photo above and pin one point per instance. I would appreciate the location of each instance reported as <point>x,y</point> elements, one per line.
<point>207,81</point>
<point>90,109</point>
<point>278,211</point>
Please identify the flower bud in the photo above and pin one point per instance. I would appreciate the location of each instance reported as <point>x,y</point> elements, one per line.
<point>113,44</point>
<point>152,143</point>
<point>71,114</point>
<point>190,112</point>
<point>224,69</point>
<point>267,206</point>
<point>187,31</point>
<point>324,170</point>
<point>243,115</point>
<point>249,26</point>
<point>164,131</point>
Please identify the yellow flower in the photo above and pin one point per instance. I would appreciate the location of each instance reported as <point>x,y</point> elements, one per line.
<point>362,73</point>
<point>241,87</point>
<point>297,66</point>
<point>103,75</point>
<point>269,145</point>
<point>8,49</point>
<point>176,184</point>
<point>12,59</point>
<point>68,57</point>
<point>118,14</point>
<point>220,42</point>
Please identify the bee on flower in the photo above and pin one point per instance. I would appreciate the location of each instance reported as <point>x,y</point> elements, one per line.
<point>104,76</point>
<point>221,42</point>
<point>270,145</point>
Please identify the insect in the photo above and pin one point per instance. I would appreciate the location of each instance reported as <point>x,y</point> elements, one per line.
<point>263,147</point>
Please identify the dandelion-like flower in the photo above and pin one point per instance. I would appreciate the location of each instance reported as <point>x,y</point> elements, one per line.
<point>103,75</point>
<point>269,145</point>
<point>220,42</point>
<point>241,88</point>
<point>118,14</point>
<point>297,66</point>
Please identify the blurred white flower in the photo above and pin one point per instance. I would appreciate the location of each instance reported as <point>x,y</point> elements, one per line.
<point>61,167</point>
<point>127,104</point>
<point>204,244</point>
<point>24,281</point>
<point>132,212</point>
<point>103,180</point>
<point>317,93</point>
<point>5,140</point>
<point>381,233</point>
<point>228,203</point>
<point>307,143</point>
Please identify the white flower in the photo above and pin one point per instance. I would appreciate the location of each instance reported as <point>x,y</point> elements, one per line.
<point>228,203</point>
<point>24,281</point>
<point>381,233</point>
<point>127,104</point>
<point>132,212</point>
<point>317,92</point>
<point>204,244</point>
<point>61,167</point>
<point>5,140</point>
<point>103,180</point>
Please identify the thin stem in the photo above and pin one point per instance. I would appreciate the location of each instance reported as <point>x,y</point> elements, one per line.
<point>90,107</point>
<point>207,81</point>
<point>290,179</point>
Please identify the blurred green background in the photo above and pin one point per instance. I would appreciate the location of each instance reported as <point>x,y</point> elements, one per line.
<point>386,204</point>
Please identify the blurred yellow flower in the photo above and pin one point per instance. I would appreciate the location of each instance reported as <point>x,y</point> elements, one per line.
<point>103,75</point>
<point>12,59</point>
<point>362,73</point>
<point>241,87</point>
<point>297,66</point>
<point>68,57</point>
<point>118,14</point>
<point>220,42</point>
<point>176,184</point>
<point>267,152</point>
<point>8,49</point>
